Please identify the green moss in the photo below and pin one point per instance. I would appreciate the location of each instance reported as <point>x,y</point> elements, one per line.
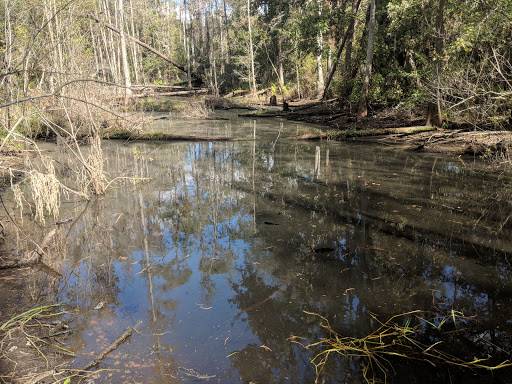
<point>353,133</point>
<point>157,136</point>
<point>116,134</point>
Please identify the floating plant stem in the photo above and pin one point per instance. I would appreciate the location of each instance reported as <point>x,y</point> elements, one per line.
<point>392,339</point>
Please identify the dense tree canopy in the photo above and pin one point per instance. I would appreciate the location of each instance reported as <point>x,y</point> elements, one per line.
<point>454,55</point>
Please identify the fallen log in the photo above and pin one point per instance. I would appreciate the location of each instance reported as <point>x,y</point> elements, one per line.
<point>312,105</point>
<point>29,261</point>
<point>18,265</point>
<point>263,116</point>
<point>240,92</point>
<point>35,264</point>
<point>131,136</point>
<point>154,86</point>
<point>209,118</point>
<point>238,107</point>
<point>154,118</point>
<point>354,134</point>
<point>178,93</point>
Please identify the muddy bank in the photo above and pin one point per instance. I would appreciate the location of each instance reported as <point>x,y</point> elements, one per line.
<point>362,208</point>
<point>32,334</point>
<point>404,129</point>
<point>10,161</point>
<point>32,328</point>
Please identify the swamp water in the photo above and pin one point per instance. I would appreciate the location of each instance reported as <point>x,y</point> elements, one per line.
<point>220,254</point>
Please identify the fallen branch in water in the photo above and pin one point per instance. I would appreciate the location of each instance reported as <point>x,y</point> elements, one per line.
<point>30,261</point>
<point>34,257</point>
<point>117,342</point>
<point>176,93</point>
<point>18,265</point>
<point>192,373</point>
<point>262,301</point>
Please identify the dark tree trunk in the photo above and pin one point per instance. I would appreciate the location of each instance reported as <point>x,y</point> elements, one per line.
<point>346,35</point>
<point>346,88</point>
<point>362,111</point>
<point>434,109</point>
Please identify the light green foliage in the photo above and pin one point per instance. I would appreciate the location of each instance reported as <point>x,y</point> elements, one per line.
<point>473,68</point>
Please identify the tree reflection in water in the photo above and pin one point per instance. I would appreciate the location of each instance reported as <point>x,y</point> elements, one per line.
<point>229,243</point>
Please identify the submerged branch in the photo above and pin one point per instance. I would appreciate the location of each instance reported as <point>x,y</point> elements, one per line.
<point>394,338</point>
<point>117,342</point>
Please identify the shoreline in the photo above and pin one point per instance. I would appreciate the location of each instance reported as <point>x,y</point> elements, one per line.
<point>403,129</point>
<point>493,147</point>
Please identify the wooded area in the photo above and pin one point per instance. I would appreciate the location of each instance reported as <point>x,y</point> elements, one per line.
<point>451,57</point>
<point>252,220</point>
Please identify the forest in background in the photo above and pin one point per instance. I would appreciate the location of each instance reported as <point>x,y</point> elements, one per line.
<point>451,57</point>
<point>74,69</point>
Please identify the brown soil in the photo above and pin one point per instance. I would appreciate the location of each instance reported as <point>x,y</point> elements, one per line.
<point>20,359</point>
<point>23,358</point>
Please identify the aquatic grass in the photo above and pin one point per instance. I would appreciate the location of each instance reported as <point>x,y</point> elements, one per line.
<point>20,323</point>
<point>25,317</point>
<point>398,337</point>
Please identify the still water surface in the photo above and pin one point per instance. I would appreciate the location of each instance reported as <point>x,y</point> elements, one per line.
<point>222,251</point>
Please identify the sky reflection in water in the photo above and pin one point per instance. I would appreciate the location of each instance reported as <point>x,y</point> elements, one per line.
<point>220,254</point>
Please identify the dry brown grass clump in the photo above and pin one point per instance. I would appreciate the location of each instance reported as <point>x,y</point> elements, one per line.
<point>214,102</point>
<point>45,189</point>
<point>196,109</point>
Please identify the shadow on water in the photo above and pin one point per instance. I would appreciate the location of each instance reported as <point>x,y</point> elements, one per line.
<point>225,248</point>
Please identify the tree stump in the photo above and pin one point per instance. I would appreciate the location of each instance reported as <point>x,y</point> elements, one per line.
<point>273,100</point>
